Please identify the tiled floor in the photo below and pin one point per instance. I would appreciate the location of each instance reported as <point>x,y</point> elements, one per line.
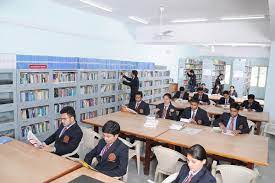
<point>267,173</point>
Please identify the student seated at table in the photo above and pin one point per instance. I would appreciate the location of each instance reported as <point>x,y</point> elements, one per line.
<point>181,94</point>
<point>166,110</point>
<point>111,153</point>
<point>233,121</point>
<point>196,168</point>
<point>196,114</point>
<point>68,136</point>
<point>232,92</point>
<point>205,90</point>
<point>251,104</point>
<point>201,97</point>
<point>226,99</point>
<point>139,105</point>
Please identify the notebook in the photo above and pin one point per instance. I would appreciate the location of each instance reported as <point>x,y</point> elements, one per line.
<point>85,179</point>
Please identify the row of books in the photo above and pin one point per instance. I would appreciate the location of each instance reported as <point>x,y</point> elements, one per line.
<point>6,117</point>
<point>86,76</point>
<point>195,67</point>
<point>192,61</point>
<point>64,92</point>
<point>123,97</point>
<point>158,73</point>
<point>33,77</point>
<point>34,95</point>
<point>108,110</point>
<point>147,74</point>
<point>157,91</point>
<point>34,112</point>
<point>8,133</point>
<point>166,81</point>
<point>58,107</point>
<point>219,67</point>
<point>108,87</point>
<point>108,75</point>
<point>147,93</point>
<point>122,87</point>
<point>88,115</point>
<point>157,99</point>
<point>158,83</point>
<point>36,128</point>
<point>62,77</point>
<point>88,102</point>
<point>147,83</point>
<point>88,89</point>
<point>165,90</point>
<point>108,99</point>
<point>57,123</point>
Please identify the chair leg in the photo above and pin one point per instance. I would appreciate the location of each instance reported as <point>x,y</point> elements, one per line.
<point>156,176</point>
<point>138,164</point>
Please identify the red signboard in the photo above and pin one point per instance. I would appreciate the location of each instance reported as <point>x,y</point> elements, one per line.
<point>38,66</point>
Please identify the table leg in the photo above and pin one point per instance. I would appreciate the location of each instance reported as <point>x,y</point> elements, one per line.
<point>147,160</point>
<point>250,165</point>
<point>258,126</point>
<point>96,129</point>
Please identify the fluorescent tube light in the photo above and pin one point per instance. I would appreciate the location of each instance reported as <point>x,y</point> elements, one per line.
<point>137,19</point>
<point>96,5</point>
<point>243,18</point>
<point>190,20</point>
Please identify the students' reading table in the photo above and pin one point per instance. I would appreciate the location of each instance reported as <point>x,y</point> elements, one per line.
<point>256,117</point>
<point>87,172</point>
<point>133,124</point>
<point>22,162</point>
<point>250,149</point>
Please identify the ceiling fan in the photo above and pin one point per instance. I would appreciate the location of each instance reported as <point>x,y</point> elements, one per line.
<point>162,34</point>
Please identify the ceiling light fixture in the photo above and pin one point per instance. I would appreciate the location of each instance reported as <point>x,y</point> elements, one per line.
<point>137,19</point>
<point>243,18</point>
<point>96,5</point>
<point>190,20</point>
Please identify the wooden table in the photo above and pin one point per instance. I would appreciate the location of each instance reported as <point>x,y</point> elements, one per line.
<point>84,171</point>
<point>133,124</point>
<point>22,162</point>
<point>256,117</point>
<point>250,149</point>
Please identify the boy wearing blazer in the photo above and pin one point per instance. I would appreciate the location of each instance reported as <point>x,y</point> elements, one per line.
<point>139,105</point>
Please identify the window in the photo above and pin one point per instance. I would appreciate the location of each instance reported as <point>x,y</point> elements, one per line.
<point>258,76</point>
<point>227,74</point>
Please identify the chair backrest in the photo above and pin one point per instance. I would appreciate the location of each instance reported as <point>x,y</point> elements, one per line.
<point>212,102</point>
<point>167,158</point>
<point>251,126</point>
<point>171,178</point>
<point>232,173</point>
<point>75,151</point>
<point>90,140</point>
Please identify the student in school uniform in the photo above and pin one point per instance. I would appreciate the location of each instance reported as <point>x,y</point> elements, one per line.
<point>166,110</point>
<point>226,99</point>
<point>181,94</point>
<point>192,80</point>
<point>205,90</point>
<point>218,86</point>
<point>233,121</point>
<point>139,105</point>
<point>196,168</point>
<point>133,82</point>
<point>232,92</point>
<point>251,104</point>
<point>196,114</point>
<point>110,152</point>
<point>201,97</point>
<point>68,136</point>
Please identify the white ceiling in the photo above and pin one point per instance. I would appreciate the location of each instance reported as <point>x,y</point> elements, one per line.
<point>174,9</point>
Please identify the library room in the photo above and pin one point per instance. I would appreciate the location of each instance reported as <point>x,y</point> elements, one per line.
<point>142,91</point>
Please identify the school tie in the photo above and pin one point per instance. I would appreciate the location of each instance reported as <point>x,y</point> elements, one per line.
<point>137,105</point>
<point>194,114</point>
<point>181,95</point>
<point>188,179</point>
<point>200,97</point>
<point>105,149</point>
<point>231,127</point>
<point>63,131</point>
<point>164,112</point>
<point>226,101</point>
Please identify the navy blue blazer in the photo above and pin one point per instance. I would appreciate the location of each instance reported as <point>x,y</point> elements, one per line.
<point>201,116</point>
<point>68,141</point>
<point>171,112</point>
<point>203,176</point>
<point>222,100</point>
<point>114,162</point>
<point>203,99</point>
<point>241,123</point>
<point>143,108</point>
<point>134,85</point>
<point>185,95</point>
<point>255,105</point>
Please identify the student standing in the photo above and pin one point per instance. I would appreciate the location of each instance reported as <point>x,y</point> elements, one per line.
<point>192,80</point>
<point>110,153</point>
<point>133,82</point>
<point>218,86</point>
